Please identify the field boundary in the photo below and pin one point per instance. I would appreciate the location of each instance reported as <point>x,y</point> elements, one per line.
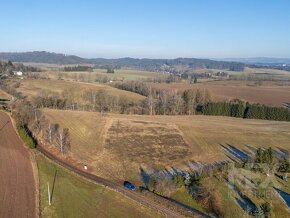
<point>113,186</point>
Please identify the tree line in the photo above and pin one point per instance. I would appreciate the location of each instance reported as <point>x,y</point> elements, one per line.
<point>237,108</point>
<point>196,101</point>
<point>32,125</point>
<point>9,67</point>
<point>162,102</point>
<point>86,100</point>
<point>157,102</point>
<point>78,68</point>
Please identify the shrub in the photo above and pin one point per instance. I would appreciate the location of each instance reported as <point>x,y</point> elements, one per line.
<point>152,184</point>
<point>266,207</point>
<point>284,166</point>
<point>209,199</point>
<point>178,181</point>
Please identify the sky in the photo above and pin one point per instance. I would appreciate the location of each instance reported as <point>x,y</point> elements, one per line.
<point>147,28</point>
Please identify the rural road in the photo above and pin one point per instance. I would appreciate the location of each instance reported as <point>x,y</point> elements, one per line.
<point>17,185</point>
<point>133,195</point>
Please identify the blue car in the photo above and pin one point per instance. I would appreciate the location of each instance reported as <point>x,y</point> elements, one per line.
<point>129,185</point>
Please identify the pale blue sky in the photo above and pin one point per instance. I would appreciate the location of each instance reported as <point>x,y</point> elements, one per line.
<point>148,28</point>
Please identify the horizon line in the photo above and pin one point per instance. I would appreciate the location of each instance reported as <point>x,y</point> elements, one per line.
<point>122,57</point>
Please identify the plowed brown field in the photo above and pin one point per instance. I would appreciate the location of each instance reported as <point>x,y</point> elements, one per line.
<point>17,185</point>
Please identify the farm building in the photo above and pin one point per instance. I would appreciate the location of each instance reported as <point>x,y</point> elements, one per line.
<point>18,73</point>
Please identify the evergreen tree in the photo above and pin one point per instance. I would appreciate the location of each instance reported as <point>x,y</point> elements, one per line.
<point>152,184</point>
<point>284,166</point>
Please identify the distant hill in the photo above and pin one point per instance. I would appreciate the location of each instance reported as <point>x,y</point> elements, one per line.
<point>258,60</point>
<point>171,65</point>
<point>41,57</point>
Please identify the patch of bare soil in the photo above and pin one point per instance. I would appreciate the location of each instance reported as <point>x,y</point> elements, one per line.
<point>148,143</point>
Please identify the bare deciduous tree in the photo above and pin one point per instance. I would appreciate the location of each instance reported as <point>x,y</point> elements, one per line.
<point>63,142</point>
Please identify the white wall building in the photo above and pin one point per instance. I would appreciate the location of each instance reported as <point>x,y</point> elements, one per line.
<point>18,73</point>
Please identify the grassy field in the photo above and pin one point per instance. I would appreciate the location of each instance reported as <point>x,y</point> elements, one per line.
<point>117,146</point>
<point>258,72</point>
<point>120,74</point>
<point>270,93</point>
<point>181,195</point>
<point>33,87</point>
<point>76,197</point>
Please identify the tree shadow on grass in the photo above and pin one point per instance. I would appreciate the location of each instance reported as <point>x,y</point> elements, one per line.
<point>284,196</point>
<point>243,201</point>
<point>235,154</point>
<point>145,177</point>
<point>286,104</point>
<point>53,185</point>
<point>281,153</point>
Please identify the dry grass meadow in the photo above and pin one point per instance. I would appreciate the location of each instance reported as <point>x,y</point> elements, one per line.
<point>120,74</point>
<point>116,146</point>
<point>4,95</point>
<point>33,87</point>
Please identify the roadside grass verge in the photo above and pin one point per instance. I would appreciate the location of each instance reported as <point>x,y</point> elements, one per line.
<point>74,196</point>
<point>26,137</point>
<point>182,196</point>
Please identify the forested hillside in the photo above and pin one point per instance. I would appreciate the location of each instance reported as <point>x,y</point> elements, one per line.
<point>170,65</point>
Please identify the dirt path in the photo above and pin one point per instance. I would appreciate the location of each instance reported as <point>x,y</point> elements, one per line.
<point>17,185</point>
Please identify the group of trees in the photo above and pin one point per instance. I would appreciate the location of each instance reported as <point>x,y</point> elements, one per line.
<point>271,66</point>
<point>31,124</point>
<point>157,102</point>
<point>161,102</point>
<point>198,101</point>
<point>11,89</point>
<point>9,67</point>
<point>86,100</point>
<point>257,111</point>
<point>207,197</point>
<point>237,108</point>
<point>54,135</point>
<point>284,166</point>
<point>134,86</point>
<point>110,70</point>
<point>164,102</point>
<point>78,68</point>
<point>192,77</point>
<point>264,156</point>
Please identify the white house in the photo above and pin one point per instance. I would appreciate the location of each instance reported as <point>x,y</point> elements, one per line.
<point>18,73</point>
